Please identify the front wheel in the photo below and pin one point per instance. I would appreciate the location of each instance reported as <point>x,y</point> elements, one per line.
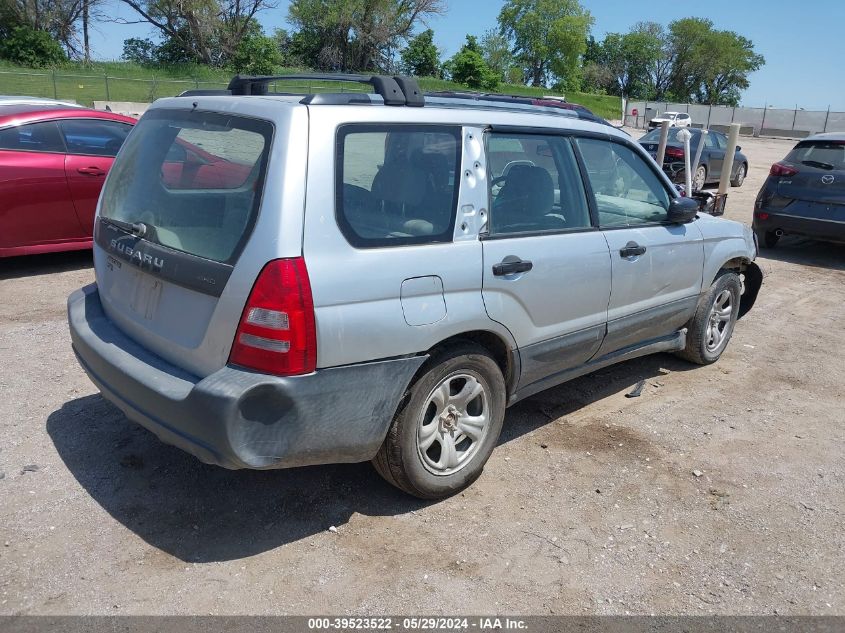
<point>711,328</point>
<point>447,426</point>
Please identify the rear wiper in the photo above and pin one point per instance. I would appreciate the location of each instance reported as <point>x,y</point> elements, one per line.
<point>816,163</point>
<point>138,229</point>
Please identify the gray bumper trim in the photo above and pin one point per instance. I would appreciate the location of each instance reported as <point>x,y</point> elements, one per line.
<point>236,418</point>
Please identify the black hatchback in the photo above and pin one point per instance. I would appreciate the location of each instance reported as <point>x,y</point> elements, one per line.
<point>804,193</point>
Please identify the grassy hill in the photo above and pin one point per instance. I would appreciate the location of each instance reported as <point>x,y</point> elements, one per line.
<point>122,81</point>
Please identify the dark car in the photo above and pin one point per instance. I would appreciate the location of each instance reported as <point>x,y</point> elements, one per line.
<point>709,168</point>
<point>53,161</point>
<point>804,193</point>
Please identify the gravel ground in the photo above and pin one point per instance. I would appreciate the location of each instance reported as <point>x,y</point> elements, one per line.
<point>719,490</point>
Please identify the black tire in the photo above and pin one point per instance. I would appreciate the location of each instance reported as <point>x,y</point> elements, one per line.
<point>739,177</point>
<point>400,460</point>
<point>700,348</point>
<point>767,239</point>
<point>701,169</point>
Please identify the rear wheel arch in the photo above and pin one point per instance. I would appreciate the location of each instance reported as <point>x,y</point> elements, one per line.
<point>504,355</point>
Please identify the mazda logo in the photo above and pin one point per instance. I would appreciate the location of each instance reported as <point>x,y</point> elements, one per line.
<point>827,179</point>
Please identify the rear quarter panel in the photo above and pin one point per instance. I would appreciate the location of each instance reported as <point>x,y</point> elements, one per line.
<point>357,291</point>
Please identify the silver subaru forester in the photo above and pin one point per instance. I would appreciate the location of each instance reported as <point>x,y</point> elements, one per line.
<point>286,280</point>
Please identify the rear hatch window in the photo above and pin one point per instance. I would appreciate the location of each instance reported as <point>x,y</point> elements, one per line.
<point>821,172</point>
<point>193,179</point>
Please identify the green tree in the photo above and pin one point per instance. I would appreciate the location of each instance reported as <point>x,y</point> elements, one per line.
<point>139,51</point>
<point>548,36</point>
<point>209,31</point>
<point>630,58</point>
<point>421,57</point>
<point>468,67</point>
<point>257,54</point>
<point>27,47</point>
<point>496,51</point>
<point>356,34</point>
<point>709,66</point>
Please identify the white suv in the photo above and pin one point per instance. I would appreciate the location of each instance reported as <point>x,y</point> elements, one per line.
<point>286,280</point>
<point>676,119</point>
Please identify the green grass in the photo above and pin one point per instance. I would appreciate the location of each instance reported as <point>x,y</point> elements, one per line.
<point>131,82</point>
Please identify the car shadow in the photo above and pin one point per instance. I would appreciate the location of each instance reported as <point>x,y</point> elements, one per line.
<point>46,264</point>
<point>798,250</point>
<point>202,513</point>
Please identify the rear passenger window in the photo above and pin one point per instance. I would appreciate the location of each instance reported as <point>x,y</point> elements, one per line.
<point>397,184</point>
<point>534,185</point>
<point>627,191</point>
<point>33,137</point>
<point>94,138</point>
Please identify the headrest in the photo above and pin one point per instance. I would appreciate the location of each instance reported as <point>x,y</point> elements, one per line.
<point>532,186</point>
<point>400,184</point>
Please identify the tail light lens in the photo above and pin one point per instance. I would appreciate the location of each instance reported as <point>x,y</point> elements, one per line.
<point>277,333</point>
<point>674,152</point>
<point>782,169</point>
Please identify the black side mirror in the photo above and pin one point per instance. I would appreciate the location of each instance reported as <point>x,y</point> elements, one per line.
<point>682,210</point>
<point>738,148</point>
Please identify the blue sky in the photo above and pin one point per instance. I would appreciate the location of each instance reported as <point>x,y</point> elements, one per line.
<point>803,42</point>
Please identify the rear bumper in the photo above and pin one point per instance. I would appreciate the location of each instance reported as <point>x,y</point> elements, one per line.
<point>795,223</point>
<point>236,418</point>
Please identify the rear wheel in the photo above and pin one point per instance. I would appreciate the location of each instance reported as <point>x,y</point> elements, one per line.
<point>711,328</point>
<point>447,426</point>
<point>740,175</point>
<point>699,178</point>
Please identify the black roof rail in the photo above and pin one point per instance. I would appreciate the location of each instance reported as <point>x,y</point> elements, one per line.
<point>388,88</point>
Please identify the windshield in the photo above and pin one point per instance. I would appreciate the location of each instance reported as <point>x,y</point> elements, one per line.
<point>193,179</point>
<point>820,154</point>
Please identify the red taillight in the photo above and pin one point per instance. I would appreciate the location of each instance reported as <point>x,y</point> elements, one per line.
<point>277,333</point>
<point>674,152</point>
<point>782,169</point>
<point>762,215</point>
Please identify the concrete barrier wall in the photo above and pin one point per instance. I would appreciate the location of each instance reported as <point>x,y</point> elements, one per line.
<point>790,123</point>
<point>129,108</point>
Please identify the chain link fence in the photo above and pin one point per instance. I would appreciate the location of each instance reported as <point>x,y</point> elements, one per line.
<point>792,123</point>
<point>85,89</point>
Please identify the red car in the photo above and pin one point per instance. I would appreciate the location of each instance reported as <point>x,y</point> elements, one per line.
<point>53,161</point>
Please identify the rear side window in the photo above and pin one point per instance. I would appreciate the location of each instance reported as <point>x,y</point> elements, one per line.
<point>33,137</point>
<point>94,138</point>
<point>820,154</point>
<point>397,184</point>
<point>194,178</point>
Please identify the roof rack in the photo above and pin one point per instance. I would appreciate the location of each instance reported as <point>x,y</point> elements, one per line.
<point>395,91</point>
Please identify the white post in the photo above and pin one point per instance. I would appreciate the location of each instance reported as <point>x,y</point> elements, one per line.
<point>699,150</point>
<point>728,163</point>
<point>684,136</point>
<point>661,149</point>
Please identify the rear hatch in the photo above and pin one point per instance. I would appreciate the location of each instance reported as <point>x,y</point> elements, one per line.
<point>179,208</point>
<point>821,173</point>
